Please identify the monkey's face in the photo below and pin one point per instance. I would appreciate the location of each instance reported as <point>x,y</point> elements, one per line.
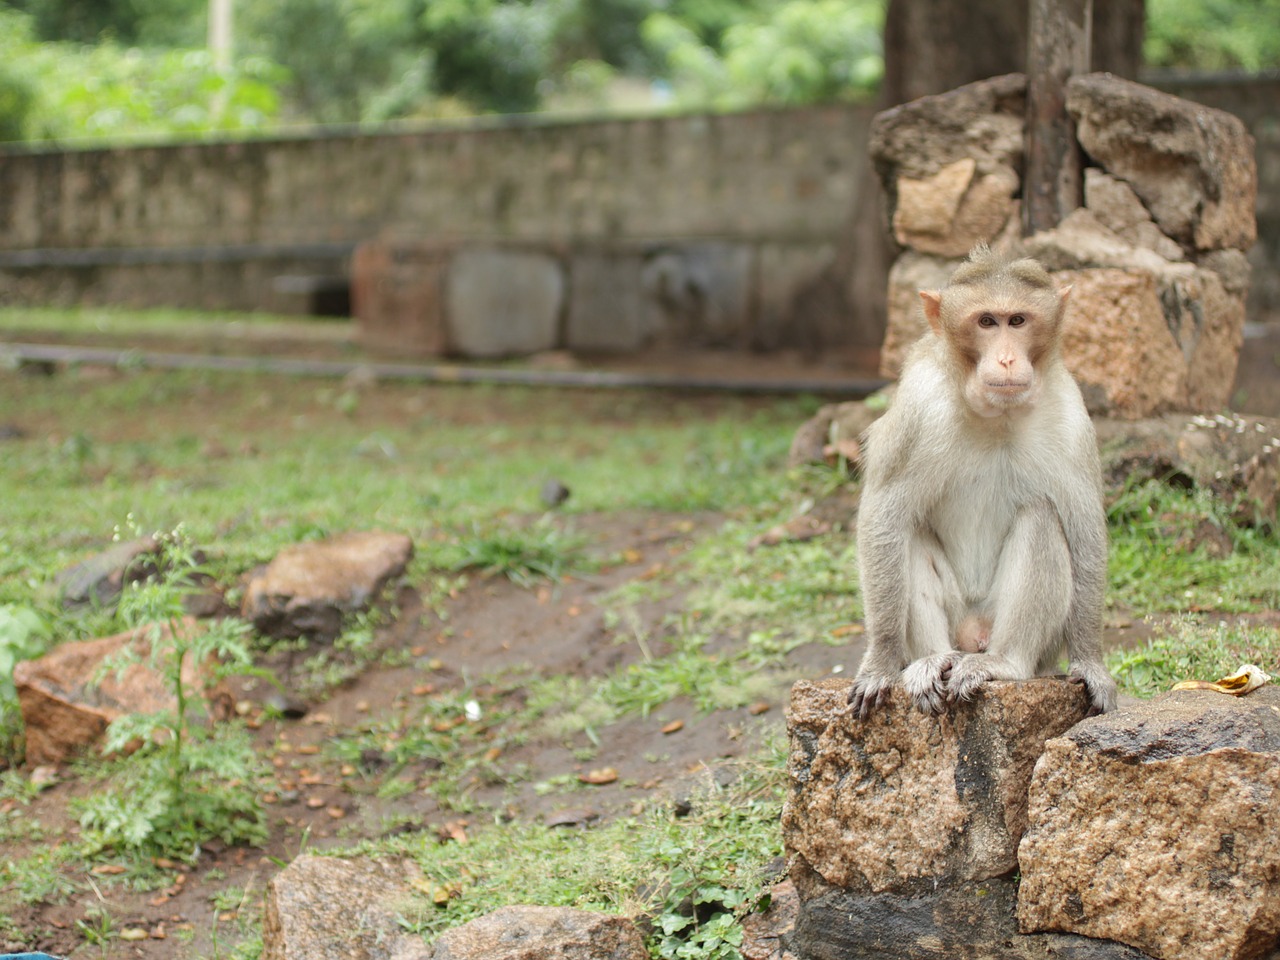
<point>997,337</point>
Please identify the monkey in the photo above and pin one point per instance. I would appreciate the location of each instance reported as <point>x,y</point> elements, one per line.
<point>981,533</point>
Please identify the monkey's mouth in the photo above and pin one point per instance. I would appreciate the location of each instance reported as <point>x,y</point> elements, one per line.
<point>1008,388</point>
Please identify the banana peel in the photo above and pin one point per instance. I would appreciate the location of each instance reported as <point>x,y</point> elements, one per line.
<point>1245,680</point>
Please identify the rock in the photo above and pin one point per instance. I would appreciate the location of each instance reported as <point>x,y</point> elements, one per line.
<point>101,578</point>
<point>980,120</point>
<point>765,934</point>
<point>503,302</point>
<point>1191,165</point>
<point>910,273</point>
<point>311,913</point>
<point>1118,208</point>
<point>1158,826</point>
<point>836,423</point>
<point>935,217</point>
<point>553,493</point>
<point>853,814</point>
<point>1235,458</point>
<point>1135,375</point>
<point>542,933</point>
<point>71,695</point>
<point>309,588</point>
<point>1081,241</point>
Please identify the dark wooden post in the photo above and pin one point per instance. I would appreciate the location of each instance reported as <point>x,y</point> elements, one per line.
<point>1058,47</point>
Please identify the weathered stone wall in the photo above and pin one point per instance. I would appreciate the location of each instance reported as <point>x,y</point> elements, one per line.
<point>215,224</point>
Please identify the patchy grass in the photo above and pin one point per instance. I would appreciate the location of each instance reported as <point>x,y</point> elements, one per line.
<point>250,463</point>
<point>1188,648</point>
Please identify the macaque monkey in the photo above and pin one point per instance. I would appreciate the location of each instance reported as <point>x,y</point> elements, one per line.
<point>982,541</point>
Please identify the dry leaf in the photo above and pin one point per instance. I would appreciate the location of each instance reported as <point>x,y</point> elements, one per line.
<point>309,749</point>
<point>336,813</point>
<point>599,777</point>
<point>758,708</point>
<point>849,630</point>
<point>315,803</point>
<point>455,830</point>
<point>131,934</point>
<point>673,726</point>
<point>108,869</point>
<point>632,555</point>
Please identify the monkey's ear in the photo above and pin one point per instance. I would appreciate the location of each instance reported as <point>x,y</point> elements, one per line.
<point>1064,293</point>
<point>932,308</point>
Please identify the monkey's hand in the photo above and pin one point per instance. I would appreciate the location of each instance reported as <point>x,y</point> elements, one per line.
<point>870,690</point>
<point>1097,682</point>
<point>969,673</point>
<point>926,680</point>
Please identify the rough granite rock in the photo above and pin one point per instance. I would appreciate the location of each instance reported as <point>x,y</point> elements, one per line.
<point>980,120</point>
<point>1118,208</point>
<point>858,787</point>
<point>324,908</point>
<point>309,588</point>
<point>1135,375</point>
<point>1159,826</point>
<point>948,213</point>
<point>71,695</point>
<point>1191,165</point>
<point>100,578</point>
<point>766,935</point>
<point>542,933</point>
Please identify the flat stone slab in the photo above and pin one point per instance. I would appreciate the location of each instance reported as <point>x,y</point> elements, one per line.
<point>310,588</point>
<point>1159,826</point>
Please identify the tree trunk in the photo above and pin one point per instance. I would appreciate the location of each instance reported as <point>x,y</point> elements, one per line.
<point>1059,48</point>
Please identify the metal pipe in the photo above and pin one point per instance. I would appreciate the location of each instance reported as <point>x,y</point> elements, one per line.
<point>17,353</point>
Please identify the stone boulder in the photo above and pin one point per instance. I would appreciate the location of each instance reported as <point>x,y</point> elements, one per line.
<point>72,694</point>
<point>397,295</point>
<point>837,426</point>
<point>310,588</point>
<point>1159,826</point>
<point>902,830</point>
<point>858,786</point>
<point>766,934</point>
<point>1192,166</point>
<point>101,578</point>
<point>1235,458</point>
<point>542,933</point>
<point>324,908</point>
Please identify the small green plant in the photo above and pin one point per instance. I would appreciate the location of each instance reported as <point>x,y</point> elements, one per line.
<point>187,781</point>
<point>1189,649</point>
<point>23,634</point>
<point>540,551</point>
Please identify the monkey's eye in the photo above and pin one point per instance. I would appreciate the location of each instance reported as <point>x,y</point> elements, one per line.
<point>1017,320</point>
<point>987,320</point>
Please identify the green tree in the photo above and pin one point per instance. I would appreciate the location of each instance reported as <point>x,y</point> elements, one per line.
<point>1213,34</point>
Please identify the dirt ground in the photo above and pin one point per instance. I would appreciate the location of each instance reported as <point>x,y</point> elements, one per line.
<point>495,626</point>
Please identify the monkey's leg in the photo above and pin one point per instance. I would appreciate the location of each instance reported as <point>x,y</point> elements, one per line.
<point>1030,598</point>
<point>933,606</point>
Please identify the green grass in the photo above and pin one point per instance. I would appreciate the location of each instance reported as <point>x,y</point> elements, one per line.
<point>1188,648</point>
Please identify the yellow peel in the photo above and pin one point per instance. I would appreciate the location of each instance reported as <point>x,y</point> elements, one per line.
<point>1245,680</point>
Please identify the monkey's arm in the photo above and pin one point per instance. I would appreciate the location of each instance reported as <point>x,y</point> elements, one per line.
<point>1085,526</point>
<point>883,533</point>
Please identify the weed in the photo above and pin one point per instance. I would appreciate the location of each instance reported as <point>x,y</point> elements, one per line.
<point>186,782</point>
<point>522,554</point>
<point>1188,649</point>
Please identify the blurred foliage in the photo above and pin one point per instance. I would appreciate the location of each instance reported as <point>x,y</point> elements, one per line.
<point>57,90</point>
<point>116,68</point>
<point>1213,34</point>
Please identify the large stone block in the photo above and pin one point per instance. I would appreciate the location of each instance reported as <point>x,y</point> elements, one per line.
<point>504,302</point>
<point>397,296</point>
<point>700,294</point>
<point>1118,346</point>
<point>859,787</point>
<point>950,212</point>
<point>542,933</point>
<point>1191,165</point>
<point>607,310</point>
<point>1159,826</point>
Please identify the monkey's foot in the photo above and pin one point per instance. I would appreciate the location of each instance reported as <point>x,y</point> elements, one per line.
<point>870,690</point>
<point>926,680</point>
<point>1099,684</point>
<point>968,674</point>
